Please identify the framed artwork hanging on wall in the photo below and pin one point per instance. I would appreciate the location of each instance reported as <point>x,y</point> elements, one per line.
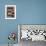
<point>10,11</point>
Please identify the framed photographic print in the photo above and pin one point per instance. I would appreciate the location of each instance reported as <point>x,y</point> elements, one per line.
<point>33,32</point>
<point>10,11</point>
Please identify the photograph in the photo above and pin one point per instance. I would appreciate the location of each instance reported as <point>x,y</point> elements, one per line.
<point>28,33</point>
<point>10,11</point>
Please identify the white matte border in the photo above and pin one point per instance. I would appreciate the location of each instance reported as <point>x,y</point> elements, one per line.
<point>18,33</point>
